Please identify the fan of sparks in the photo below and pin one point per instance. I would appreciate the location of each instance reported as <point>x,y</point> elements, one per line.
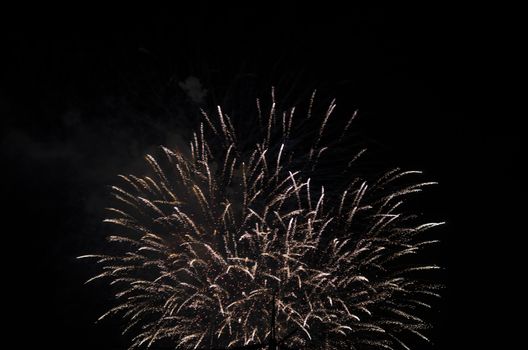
<point>223,233</point>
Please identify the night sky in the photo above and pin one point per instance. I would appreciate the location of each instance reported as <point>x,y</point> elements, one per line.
<point>85,95</point>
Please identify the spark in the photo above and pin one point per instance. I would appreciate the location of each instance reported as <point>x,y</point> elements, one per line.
<point>219,231</point>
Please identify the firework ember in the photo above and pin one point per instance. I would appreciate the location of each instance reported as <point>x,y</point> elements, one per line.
<point>233,231</point>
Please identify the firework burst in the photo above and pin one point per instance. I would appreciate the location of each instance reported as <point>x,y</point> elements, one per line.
<point>232,231</point>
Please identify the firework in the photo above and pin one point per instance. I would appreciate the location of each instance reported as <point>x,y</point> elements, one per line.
<point>234,231</point>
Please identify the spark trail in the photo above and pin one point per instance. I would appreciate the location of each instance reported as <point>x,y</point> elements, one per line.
<point>216,231</point>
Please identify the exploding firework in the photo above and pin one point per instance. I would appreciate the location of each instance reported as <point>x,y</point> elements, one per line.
<point>237,241</point>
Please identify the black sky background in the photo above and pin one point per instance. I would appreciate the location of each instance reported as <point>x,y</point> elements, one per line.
<point>85,95</point>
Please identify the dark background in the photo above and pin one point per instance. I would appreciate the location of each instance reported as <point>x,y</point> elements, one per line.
<point>87,92</point>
